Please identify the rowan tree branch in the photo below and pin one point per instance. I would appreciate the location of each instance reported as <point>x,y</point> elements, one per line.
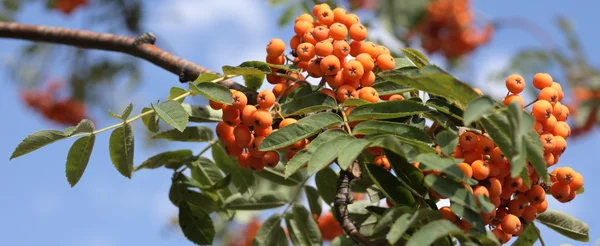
<point>141,47</point>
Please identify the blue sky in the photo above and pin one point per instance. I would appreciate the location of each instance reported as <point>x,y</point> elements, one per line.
<point>105,209</point>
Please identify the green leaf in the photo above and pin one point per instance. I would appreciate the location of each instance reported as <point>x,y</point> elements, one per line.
<point>207,77</point>
<point>196,225</point>
<point>253,81</point>
<point>343,240</point>
<point>389,88</point>
<point>212,91</point>
<point>354,102</point>
<point>468,214</point>
<point>78,158</point>
<point>310,103</point>
<point>37,140</point>
<point>351,151</point>
<point>84,126</point>
<point>243,178</point>
<point>477,108</point>
<point>387,110</point>
<point>327,153</point>
<point>402,146</point>
<point>392,215</point>
<point>390,185</point>
<point>565,224</point>
<point>150,120</point>
<point>434,80</point>
<point>303,156</point>
<point>528,237</point>
<point>120,147</point>
<point>303,227</point>
<point>172,113</point>
<point>287,16</point>
<point>433,231</point>
<point>452,190</point>
<point>416,57</point>
<point>302,129</point>
<point>442,120</point>
<point>386,127</point>
<point>247,68</point>
<point>270,233</point>
<point>176,92</point>
<point>446,165</point>
<point>190,134</point>
<point>406,221</point>
<point>125,114</point>
<point>277,176</point>
<point>260,201</point>
<point>447,141</point>
<point>446,108</point>
<point>202,113</point>
<point>314,200</point>
<point>406,172</point>
<point>207,174</point>
<point>485,204</point>
<point>535,155</point>
<point>166,158</point>
<point>326,181</point>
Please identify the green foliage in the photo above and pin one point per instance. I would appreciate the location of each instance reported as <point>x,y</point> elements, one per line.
<point>271,233</point>
<point>386,110</point>
<point>172,113</point>
<point>565,225</point>
<point>121,149</point>
<point>310,103</point>
<point>189,134</point>
<point>300,130</point>
<point>196,224</point>
<point>37,140</point>
<point>78,158</point>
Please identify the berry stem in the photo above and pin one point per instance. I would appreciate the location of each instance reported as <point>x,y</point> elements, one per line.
<point>345,120</point>
<point>526,106</point>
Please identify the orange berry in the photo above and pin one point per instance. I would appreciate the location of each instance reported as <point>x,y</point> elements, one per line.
<point>330,65</point>
<point>328,92</point>
<point>305,17</point>
<point>247,115</point>
<point>386,62</point>
<point>341,49</point>
<point>560,145</point>
<point>549,124</point>
<point>295,41</point>
<point>339,15</point>
<point>496,156</point>
<point>515,207</point>
<point>314,68</point>
<point>358,32</point>
<point>480,190</point>
<point>548,94</point>
<point>230,114</point>
<point>481,170</point>
<point>495,187</point>
<point>448,214</point>
<point>239,100</point>
<point>262,131</point>
<point>320,33</point>
<point>549,158</point>
<point>541,110</point>
<point>369,48</point>
<point>511,224</point>
<point>485,145</point>
<point>538,126</point>
<point>536,195</point>
<point>305,51</point>
<point>510,98</point>
<point>344,92</point>
<point>256,163</point>
<point>502,236</point>
<point>265,99</point>
<point>253,149</point>
<point>466,168</point>
<point>353,70</point>
<point>338,31</point>
<point>366,60</point>
<point>277,60</point>
<point>318,8</point>
<point>382,161</point>
<point>565,175</point>
<point>262,118</point>
<point>275,48</point>
<point>558,89</point>
<point>542,80</point>
<point>548,141</point>
<point>335,81</point>
<point>560,191</point>
<point>233,150</point>
<point>355,47</point>
<point>577,182</point>
<point>223,130</point>
<point>290,154</point>
<point>297,146</point>
<point>308,37</point>
<point>529,213</point>
<point>540,208</point>
<point>287,121</point>
<point>301,27</point>
<point>514,184</point>
<point>215,105</point>
<point>270,158</point>
<point>468,141</point>
<point>325,16</point>
<point>368,79</point>
<point>351,19</point>
<point>564,114</point>
<point>324,48</point>
<point>242,135</point>
<point>369,94</point>
<point>396,97</point>
<point>471,156</point>
<point>515,83</point>
<point>382,50</point>
<point>562,129</point>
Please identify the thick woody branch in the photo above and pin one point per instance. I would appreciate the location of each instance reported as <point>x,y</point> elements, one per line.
<point>141,47</point>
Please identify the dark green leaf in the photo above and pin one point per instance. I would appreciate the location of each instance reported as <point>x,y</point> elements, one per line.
<point>485,204</point>
<point>303,156</point>
<point>447,141</point>
<point>477,108</point>
<point>247,68</point>
<point>176,92</point>
<point>314,200</point>
<point>392,215</point>
<point>308,104</point>
<point>125,114</point>
<point>326,181</point>
<point>402,146</point>
<point>416,57</point>
<point>243,178</point>
<point>343,240</point>
<point>389,88</point>
<point>302,225</point>
<point>387,110</point>
<point>259,201</point>
<point>327,153</point>
<point>223,183</point>
<point>406,221</point>
<point>37,140</point>
<point>202,113</point>
<point>206,77</point>
<point>270,233</point>
<point>78,158</point>
<point>433,231</point>
<point>212,91</point>
<point>150,120</point>
<point>390,185</point>
<point>351,151</point>
<point>207,174</point>
<point>84,126</point>
<point>468,214</point>
<point>278,177</point>
<point>407,173</point>
<point>565,224</point>
<point>172,113</point>
<point>386,127</point>
<point>253,81</point>
<point>196,225</point>
<point>121,149</point>
<point>535,154</point>
<point>446,107</point>
<point>442,120</point>
<point>354,102</point>
<point>451,189</point>
<point>166,158</point>
<point>190,134</point>
<point>528,237</point>
<point>445,165</point>
<point>302,129</point>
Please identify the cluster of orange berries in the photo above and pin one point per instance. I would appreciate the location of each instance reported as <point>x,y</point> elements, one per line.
<point>449,28</point>
<point>515,203</point>
<point>68,6</point>
<point>68,112</point>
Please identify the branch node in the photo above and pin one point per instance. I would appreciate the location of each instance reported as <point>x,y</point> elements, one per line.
<point>144,38</point>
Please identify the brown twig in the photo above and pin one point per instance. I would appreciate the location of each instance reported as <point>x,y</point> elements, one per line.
<point>141,47</point>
